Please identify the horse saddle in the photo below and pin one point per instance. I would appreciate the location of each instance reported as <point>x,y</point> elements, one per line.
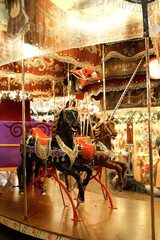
<point>88,149</point>
<point>42,143</point>
<point>38,134</point>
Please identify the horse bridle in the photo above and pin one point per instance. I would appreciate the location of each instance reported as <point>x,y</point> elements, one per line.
<point>109,134</point>
<point>66,119</point>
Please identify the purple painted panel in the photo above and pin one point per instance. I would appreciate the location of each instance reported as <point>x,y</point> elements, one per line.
<point>11,133</point>
<point>9,157</point>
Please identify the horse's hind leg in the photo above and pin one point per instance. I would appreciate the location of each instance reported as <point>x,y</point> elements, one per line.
<point>123,166</point>
<point>28,175</point>
<point>118,168</point>
<point>20,178</point>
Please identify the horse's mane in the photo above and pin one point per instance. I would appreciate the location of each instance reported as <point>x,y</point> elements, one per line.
<point>55,123</point>
<point>56,119</point>
<point>97,128</point>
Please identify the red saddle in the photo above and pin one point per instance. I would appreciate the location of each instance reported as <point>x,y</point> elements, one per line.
<point>37,133</point>
<point>88,149</point>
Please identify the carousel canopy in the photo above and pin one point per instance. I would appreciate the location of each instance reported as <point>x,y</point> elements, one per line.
<point>49,34</point>
<point>121,59</point>
<point>31,28</point>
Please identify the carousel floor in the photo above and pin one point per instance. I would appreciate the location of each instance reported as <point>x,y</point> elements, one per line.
<point>129,221</point>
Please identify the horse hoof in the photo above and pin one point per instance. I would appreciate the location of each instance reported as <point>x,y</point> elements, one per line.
<point>120,188</point>
<point>81,200</point>
<point>43,191</point>
<point>21,192</point>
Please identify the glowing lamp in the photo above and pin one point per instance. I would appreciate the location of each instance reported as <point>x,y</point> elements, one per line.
<point>154,67</point>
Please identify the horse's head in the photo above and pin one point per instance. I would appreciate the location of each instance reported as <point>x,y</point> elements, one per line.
<point>70,118</point>
<point>104,129</point>
<point>109,127</point>
<point>66,120</point>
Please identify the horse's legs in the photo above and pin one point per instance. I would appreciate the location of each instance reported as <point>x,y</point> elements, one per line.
<point>20,180</point>
<point>36,172</point>
<point>83,167</point>
<point>71,171</point>
<point>123,166</point>
<point>29,173</point>
<point>67,182</point>
<point>118,168</point>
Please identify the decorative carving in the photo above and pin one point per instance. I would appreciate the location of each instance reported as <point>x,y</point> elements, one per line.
<point>16,128</point>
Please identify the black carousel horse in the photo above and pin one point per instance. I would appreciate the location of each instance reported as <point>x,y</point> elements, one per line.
<point>103,153</point>
<point>58,151</point>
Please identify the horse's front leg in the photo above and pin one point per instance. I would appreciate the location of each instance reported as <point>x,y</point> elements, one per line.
<point>85,168</point>
<point>67,182</point>
<point>37,171</point>
<point>74,173</point>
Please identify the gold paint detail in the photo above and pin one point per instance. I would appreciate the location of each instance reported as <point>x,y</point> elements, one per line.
<point>71,153</point>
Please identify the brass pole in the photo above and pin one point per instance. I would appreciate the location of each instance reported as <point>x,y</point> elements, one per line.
<point>146,36</point>
<point>88,116</point>
<point>104,83</point>
<point>54,96</point>
<point>23,134</point>
<point>150,137</point>
<point>9,83</point>
<point>68,81</point>
<point>70,178</point>
<point>104,100</point>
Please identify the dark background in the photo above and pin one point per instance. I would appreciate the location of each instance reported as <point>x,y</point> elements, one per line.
<point>7,233</point>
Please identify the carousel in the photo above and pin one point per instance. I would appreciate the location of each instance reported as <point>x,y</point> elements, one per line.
<point>79,103</point>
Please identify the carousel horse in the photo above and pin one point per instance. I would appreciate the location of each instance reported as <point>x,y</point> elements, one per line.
<point>87,75</point>
<point>58,151</point>
<point>101,152</point>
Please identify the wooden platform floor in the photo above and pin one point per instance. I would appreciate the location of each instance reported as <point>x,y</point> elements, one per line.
<point>130,221</point>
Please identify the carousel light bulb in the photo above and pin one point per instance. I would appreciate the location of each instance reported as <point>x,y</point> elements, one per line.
<point>13,94</point>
